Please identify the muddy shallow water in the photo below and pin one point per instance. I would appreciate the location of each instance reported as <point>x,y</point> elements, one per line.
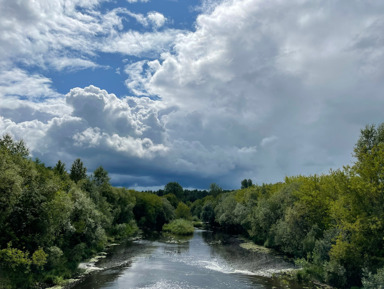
<point>206,260</point>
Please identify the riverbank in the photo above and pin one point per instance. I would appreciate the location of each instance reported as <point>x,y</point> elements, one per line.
<point>287,277</point>
<point>88,266</point>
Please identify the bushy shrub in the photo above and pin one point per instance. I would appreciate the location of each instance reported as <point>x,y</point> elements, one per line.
<point>179,227</point>
<point>182,211</point>
<point>374,281</point>
<point>123,231</point>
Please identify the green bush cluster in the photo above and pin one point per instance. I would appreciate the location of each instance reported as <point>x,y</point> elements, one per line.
<point>179,227</point>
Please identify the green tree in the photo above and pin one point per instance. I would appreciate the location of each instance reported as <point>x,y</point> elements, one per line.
<point>231,216</point>
<point>151,211</point>
<point>358,213</point>
<point>374,281</point>
<point>182,211</point>
<point>267,210</point>
<point>174,188</point>
<point>246,183</point>
<point>172,199</point>
<point>370,136</point>
<point>208,213</point>
<point>215,190</point>
<point>197,207</point>
<point>11,186</point>
<point>60,168</point>
<point>14,147</point>
<point>18,266</point>
<point>87,221</point>
<point>78,171</point>
<point>100,176</point>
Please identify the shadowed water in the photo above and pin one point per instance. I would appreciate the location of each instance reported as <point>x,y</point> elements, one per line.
<point>206,260</point>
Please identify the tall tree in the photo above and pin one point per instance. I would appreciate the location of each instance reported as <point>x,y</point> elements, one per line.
<point>14,147</point>
<point>215,189</point>
<point>78,171</point>
<point>59,168</point>
<point>370,136</point>
<point>182,211</point>
<point>174,188</point>
<point>246,183</point>
<point>100,176</point>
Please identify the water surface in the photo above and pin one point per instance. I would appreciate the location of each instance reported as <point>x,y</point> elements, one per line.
<point>206,260</point>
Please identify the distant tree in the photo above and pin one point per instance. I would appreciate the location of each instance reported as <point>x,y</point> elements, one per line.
<point>193,195</point>
<point>174,188</point>
<point>159,192</point>
<point>182,211</point>
<point>78,171</point>
<point>370,136</point>
<point>246,183</point>
<point>100,176</point>
<point>172,199</point>
<point>215,189</point>
<point>208,213</point>
<point>151,211</point>
<point>14,147</point>
<point>59,168</point>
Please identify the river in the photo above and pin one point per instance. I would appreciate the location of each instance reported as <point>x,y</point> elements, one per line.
<point>206,260</point>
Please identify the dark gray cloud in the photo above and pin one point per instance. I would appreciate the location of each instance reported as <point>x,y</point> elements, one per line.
<point>295,72</point>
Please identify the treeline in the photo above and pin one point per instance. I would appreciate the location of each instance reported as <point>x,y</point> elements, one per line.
<point>189,196</point>
<point>51,219</point>
<point>333,224</point>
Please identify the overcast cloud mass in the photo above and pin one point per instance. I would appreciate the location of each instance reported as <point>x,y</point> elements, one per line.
<point>190,91</point>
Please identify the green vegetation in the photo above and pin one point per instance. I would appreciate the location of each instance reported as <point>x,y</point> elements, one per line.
<point>179,227</point>
<point>51,220</point>
<point>175,189</point>
<point>151,211</point>
<point>182,211</point>
<point>246,183</point>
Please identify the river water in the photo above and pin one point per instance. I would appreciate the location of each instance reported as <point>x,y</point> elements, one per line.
<point>206,260</point>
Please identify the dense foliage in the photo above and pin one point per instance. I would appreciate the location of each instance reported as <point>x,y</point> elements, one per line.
<point>179,227</point>
<point>50,220</point>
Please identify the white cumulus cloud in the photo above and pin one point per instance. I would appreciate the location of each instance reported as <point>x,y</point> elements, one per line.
<point>301,72</point>
<point>156,18</point>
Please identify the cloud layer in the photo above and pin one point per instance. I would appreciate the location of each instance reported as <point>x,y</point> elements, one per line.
<point>62,34</point>
<point>260,89</point>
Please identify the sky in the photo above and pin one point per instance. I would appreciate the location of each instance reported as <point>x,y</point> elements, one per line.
<point>192,91</point>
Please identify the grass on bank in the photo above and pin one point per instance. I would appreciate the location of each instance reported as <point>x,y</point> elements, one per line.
<point>179,227</point>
